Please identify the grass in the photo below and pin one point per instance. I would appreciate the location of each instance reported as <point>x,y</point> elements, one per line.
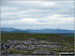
<point>51,37</point>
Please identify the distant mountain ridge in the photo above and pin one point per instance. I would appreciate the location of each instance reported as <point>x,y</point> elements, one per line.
<point>13,30</point>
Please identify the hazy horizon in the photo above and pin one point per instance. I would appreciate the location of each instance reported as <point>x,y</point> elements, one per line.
<point>37,14</point>
<point>35,29</point>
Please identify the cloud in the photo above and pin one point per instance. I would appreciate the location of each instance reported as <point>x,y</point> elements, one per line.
<point>7,9</point>
<point>20,21</point>
<point>38,8</point>
<point>37,14</point>
<point>26,21</point>
<point>47,22</point>
<point>57,18</point>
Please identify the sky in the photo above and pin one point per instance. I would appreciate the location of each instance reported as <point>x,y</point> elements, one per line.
<point>37,14</point>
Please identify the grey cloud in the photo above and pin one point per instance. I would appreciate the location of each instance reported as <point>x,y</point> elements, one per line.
<point>62,7</point>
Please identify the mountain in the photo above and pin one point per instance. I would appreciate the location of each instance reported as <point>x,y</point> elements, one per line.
<point>7,29</point>
<point>36,31</point>
<point>52,31</point>
<point>12,30</point>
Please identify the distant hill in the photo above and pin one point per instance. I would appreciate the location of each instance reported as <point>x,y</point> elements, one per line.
<point>12,30</point>
<point>52,31</point>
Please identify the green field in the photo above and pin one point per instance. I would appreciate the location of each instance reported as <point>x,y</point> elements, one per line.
<point>51,37</point>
